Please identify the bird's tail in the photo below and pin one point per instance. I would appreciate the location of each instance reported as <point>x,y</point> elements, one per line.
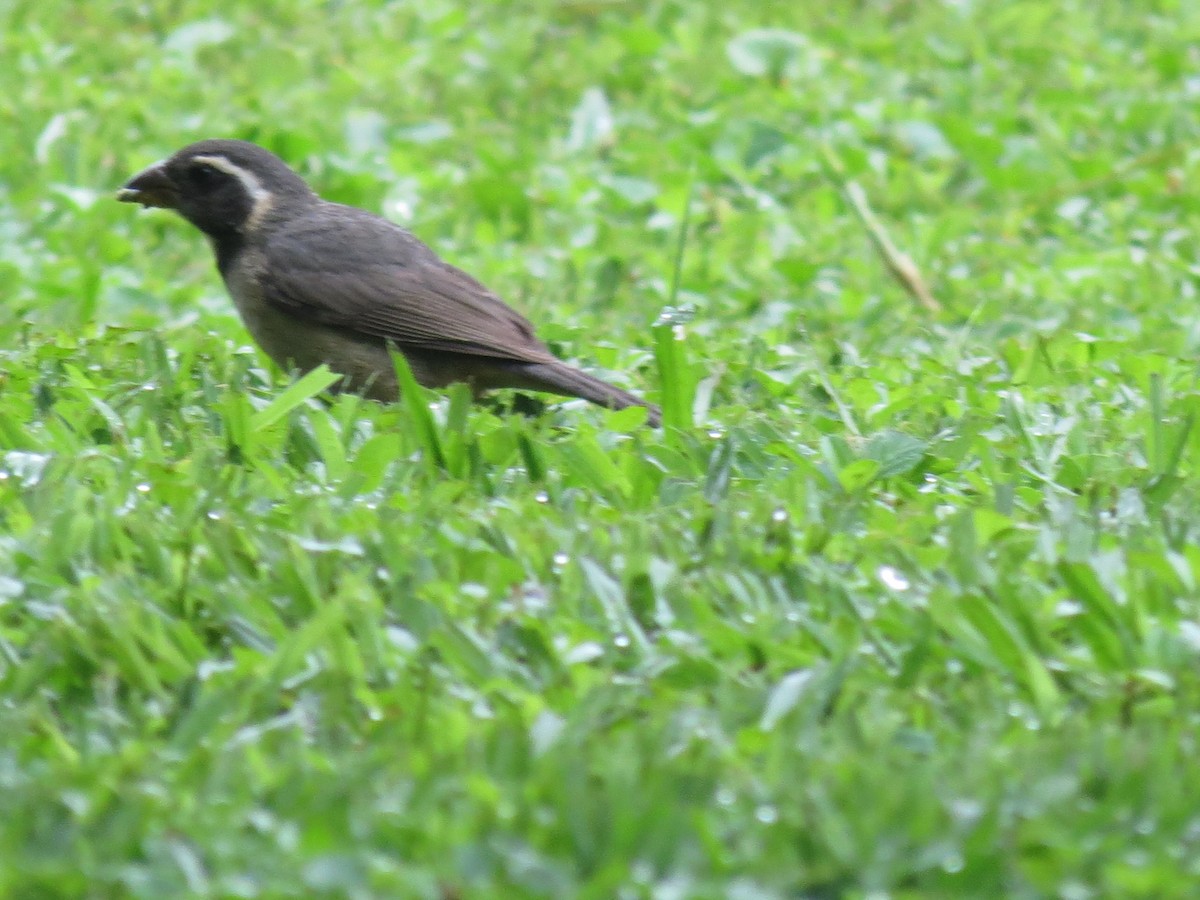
<point>559,378</point>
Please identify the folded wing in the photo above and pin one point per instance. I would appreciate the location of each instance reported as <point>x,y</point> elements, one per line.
<point>370,277</point>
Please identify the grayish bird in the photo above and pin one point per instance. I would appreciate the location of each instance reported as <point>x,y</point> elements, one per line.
<point>318,282</point>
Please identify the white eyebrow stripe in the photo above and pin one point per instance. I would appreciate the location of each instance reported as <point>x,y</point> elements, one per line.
<point>261,199</point>
<point>248,179</point>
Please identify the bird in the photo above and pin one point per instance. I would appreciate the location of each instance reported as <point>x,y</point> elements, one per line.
<point>320,282</point>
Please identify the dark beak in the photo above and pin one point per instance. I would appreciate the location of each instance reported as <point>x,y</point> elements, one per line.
<point>150,187</point>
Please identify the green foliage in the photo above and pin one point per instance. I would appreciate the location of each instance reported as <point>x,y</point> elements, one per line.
<point>900,603</point>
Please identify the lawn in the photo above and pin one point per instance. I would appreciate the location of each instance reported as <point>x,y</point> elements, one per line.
<point>902,603</point>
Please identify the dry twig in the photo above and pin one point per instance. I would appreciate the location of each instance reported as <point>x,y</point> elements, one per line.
<point>899,263</point>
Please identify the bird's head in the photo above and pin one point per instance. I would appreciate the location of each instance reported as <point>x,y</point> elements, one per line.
<point>222,187</point>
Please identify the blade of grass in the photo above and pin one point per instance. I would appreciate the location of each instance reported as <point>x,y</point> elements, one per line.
<point>674,375</point>
<point>412,395</point>
<point>300,391</point>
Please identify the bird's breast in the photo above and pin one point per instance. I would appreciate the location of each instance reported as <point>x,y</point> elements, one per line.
<point>294,343</point>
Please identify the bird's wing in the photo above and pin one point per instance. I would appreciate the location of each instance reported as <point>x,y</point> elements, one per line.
<point>354,271</point>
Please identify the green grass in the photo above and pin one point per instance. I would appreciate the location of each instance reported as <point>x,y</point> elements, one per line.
<point>904,604</point>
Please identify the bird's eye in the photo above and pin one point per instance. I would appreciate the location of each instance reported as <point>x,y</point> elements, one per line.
<point>203,175</point>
